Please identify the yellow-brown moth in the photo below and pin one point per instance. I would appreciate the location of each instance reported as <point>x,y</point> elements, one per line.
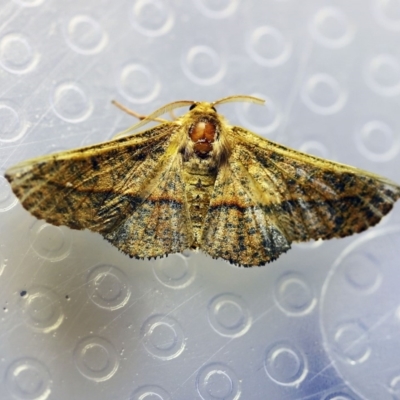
<point>199,183</point>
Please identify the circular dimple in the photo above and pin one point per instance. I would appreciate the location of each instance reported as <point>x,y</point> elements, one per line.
<point>268,47</point>
<point>174,271</point>
<point>338,396</point>
<point>315,148</point>
<point>362,273</point>
<point>10,123</point>
<point>203,65</point>
<point>382,75</point>
<point>7,200</point>
<point>377,141</point>
<point>352,342</point>
<point>163,337</point>
<point>293,295</point>
<point>218,381</point>
<point>107,286</point>
<point>387,13</point>
<point>150,392</point>
<point>50,242</point>
<point>28,379</point>
<point>138,84</point>
<point>323,95</point>
<point>285,365</point>
<point>229,315</point>
<point>394,387</point>
<point>11,128</point>
<point>358,312</point>
<point>29,3</point>
<point>70,102</point>
<point>309,245</point>
<point>397,313</point>
<point>331,28</point>
<point>217,8</point>
<point>3,263</point>
<point>16,54</point>
<point>85,35</point>
<point>263,120</point>
<point>96,359</point>
<point>42,309</point>
<point>152,17</point>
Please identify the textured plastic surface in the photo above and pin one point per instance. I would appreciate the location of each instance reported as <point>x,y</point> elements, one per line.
<point>79,320</point>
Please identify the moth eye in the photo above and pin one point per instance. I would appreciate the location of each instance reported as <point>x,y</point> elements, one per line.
<point>192,106</point>
<point>214,109</point>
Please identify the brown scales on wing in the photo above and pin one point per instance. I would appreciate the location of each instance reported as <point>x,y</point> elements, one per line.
<point>198,182</point>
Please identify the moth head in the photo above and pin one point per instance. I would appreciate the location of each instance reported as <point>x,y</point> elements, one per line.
<point>206,129</point>
<point>203,129</point>
<point>202,107</point>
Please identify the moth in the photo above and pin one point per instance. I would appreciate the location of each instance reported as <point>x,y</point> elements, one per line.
<point>197,182</point>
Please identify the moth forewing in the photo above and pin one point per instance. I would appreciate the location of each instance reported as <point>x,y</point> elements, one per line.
<point>325,199</point>
<point>250,138</point>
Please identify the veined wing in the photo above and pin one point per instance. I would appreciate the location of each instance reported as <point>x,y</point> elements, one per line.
<point>130,190</point>
<point>309,197</point>
<point>267,196</point>
<point>236,227</point>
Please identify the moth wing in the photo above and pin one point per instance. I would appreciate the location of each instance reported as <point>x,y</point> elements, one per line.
<point>304,196</point>
<point>130,190</point>
<point>236,227</point>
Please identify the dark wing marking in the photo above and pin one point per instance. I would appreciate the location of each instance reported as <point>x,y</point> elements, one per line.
<point>308,197</point>
<point>160,224</point>
<point>114,189</point>
<point>236,227</point>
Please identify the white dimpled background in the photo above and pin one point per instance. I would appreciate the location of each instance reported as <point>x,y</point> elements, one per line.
<point>79,320</point>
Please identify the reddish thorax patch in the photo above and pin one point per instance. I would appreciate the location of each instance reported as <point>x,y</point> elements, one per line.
<point>203,135</point>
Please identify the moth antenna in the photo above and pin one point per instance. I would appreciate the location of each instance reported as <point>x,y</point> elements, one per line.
<point>140,117</point>
<point>239,97</point>
<point>151,117</point>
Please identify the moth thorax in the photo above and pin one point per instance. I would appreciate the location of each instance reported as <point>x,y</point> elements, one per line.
<point>203,134</point>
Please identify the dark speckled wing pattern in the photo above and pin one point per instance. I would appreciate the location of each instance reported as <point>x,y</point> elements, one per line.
<point>267,196</point>
<point>129,190</point>
<point>236,226</point>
